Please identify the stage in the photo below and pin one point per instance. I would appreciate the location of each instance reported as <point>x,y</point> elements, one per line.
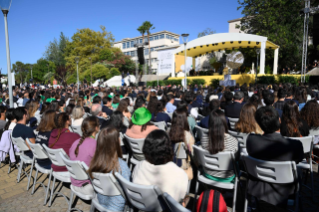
<point>240,78</point>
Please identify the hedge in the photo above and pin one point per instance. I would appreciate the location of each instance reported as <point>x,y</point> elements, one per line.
<point>176,82</point>
<point>281,79</point>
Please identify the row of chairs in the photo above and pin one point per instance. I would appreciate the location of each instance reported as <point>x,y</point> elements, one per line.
<point>146,198</point>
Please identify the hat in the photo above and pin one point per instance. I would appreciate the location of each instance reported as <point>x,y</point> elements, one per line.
<point>141,116</point>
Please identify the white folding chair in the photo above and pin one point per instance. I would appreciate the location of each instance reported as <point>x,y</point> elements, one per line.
<point>126,156</point>
<point>39,154</point>
<point>76,129</point>
<point>64,177</point>
<point>315,134</point>
<point>172,204</point>
<point>283,172</point>
<point>107,185</point>
<point>222,161</point>
<point>136,146</point>
<point>161,125</point>
<point>202,135</point>
<point>241,138</point>
<point>142,197</point>
<point>77,170</point>
<point>306,164</point>
<point>24,159</point>
<point>232,122</point>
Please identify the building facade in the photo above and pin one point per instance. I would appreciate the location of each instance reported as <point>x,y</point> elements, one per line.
<point>157,40</point>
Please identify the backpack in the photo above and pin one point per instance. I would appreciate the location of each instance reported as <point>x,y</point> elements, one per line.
<point>211,201</point>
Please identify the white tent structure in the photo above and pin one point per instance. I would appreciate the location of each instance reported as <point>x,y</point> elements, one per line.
<point>116,81</point>
<point>229,41</point>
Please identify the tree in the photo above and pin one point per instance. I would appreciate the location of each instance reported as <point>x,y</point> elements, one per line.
<point>87,43</point>
<point>279,21</point>
<point>148,27</point>
<point>106,54</point>
<point>56,49</point>
<point>207,31</point>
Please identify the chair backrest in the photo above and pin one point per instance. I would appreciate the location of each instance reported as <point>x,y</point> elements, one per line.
<point>222,161</point>
<point>232,122</point>
<point>180,151</point>
<point>314,131</point>
<point>142,197</point>
<point>106,184</point>
<point>307,143</point>
<point>76,129</point>
<point>20,143</point>
<point>281,172</point>
<point>135,144</point>
<point>173,205</point>
<point>75,168</point>
<point>241,137</point>
<point>161,125</point>
<point>202,134</point>
<point>54,155</point>
<point>37,150</point>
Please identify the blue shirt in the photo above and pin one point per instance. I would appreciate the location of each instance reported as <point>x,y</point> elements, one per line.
<point>25,101</point>
<point>161,117</point>
<point>116,203</point>
<point>170,108</point>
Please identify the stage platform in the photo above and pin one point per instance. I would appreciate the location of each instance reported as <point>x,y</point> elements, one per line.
<point>240,78</point>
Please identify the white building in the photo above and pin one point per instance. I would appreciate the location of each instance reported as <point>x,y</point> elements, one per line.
<point>232,26</point>
<point>157,40</point>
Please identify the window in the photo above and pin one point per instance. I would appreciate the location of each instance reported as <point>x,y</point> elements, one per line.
<point>156,37</point>
<point>133,53</point>
<point>128,45</point>
<point>145,40</point>
<point>151,38</point>
<point>132,43</point>
<point>146,52</point>
<point>161,36</point>
<point>141,40</point>
<point>123,45</point>
<point>152,49</point>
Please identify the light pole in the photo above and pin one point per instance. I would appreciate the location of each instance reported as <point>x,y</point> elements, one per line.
<point>91,69</point>
<point>77,59</point>
<point>5,7</point>
<point>258,52</point>
<point>31,71</point>
<point>185,40</point>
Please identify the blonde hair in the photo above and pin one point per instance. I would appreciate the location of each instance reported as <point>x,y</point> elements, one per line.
<point>33,108</point>
<point>77,112</point>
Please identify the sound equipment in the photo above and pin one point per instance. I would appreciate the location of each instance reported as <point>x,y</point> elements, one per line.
<point>140,55</point>
<point>313,80</point>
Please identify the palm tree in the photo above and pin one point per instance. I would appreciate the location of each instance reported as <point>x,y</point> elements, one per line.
<point>142,30</point>
<point>148,26</point>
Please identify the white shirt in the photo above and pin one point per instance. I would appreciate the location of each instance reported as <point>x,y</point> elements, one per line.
<point>20,102</point>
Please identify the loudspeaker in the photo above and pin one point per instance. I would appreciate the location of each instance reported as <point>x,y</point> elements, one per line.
<point>313,80</point>
<point>140,55</point>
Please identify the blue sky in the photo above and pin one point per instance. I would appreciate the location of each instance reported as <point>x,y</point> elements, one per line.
<point>34,23</point>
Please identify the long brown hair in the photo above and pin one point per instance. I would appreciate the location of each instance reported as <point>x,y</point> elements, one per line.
<point>107,152</point>
<point>292,118</point>
<point>179,126</point>
<point>34,105</point>
<point>217,129</point>
<point>122,107</point>
<point>88,127</point>
<point>60,121</point>
<point>47,122</point>
<point>310,113</point>
<point>247,122</point>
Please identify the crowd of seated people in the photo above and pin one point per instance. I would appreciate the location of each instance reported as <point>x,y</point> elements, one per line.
<point>269,115</point>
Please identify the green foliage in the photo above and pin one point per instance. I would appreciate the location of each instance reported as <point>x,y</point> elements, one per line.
<point>196,82</point>
<point>177,82</point>
<point>266,80</point>
<point>106,54</point>
<point>214,63</point>
<point>100,72</point>
<point>288,79</point>
<point>214,83</point>
<point>114,72</point>
<point>279,21</point>
<point>207,31</point>
<point>268,70</point>
<point>55,51</point>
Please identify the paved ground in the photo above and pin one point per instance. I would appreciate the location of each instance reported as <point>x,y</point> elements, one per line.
<point>15,197</point>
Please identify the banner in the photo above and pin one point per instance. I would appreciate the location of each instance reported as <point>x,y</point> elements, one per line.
<point>166,61</point>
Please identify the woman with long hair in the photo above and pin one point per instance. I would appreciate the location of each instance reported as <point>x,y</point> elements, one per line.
<point>11,123</point>
<point>108,159</point>
<point>310,113</point>
<point>77,116</point>
<point>116,101</point>
<point>45,128</point>
<point>69,109</point>
<point>292,125</point>
<point>32,120</point>
<point>61,137</point>
<point>123,107</point>
<point>301,96</point>
<point>219,141</point>
<point>152,104</point>
<point>183,106</point>
<point>115,121</point>
<point>45,107</point>
<point>247,123</point>
<point>54,106</point>
<point>83,149</point>
<point>159,113</point>
<point>179,133</point>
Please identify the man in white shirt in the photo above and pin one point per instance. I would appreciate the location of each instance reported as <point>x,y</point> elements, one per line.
<point>20,100</point>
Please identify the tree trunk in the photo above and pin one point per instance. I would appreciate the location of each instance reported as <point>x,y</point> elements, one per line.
<point>149,53</point>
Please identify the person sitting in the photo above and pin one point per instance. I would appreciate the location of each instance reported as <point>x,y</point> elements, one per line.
<point>61,137</point>
<point>213,105</point>
<point>45,128</point>
<point>159,113</point>
<point>281,99</point>
<point>140,125</point>
<point>226,99</point>
<point>32,120</point>
<point>140,102</point>
<point>219,141</point>
<point>96,110</point>
<point>247,123</point>
<point>123,107</point>
<point>116,101</point>
<point>21,130</point>
<point>83,150</point>
<point>179,133</point>
<point>290,96</point>
<point>183,106</point>
<point>292,125</point>
<point>3,122</point>
<point>269,99</point>
<point>271,146</point>
<point>233,110</point>
<point>189,99</point>
<point>115,121</point>
<point>77,116</point>
<point>158,168</point>
<point>107,105</point>
<point>108,159</point>
<point>170,107</point>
